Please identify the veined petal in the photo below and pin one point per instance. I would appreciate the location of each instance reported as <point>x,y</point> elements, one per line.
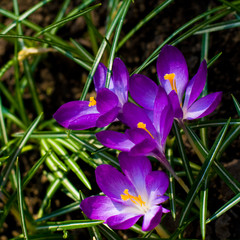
<point>106,100</point>
<point>136,169</point>
<point>143,148</point>
<point>162,115</point>
<point>123,221</point>
<point>143,90</point>
<point>108,117</point>
<point>100,207</point>
<point>120,79</point>
<point>99,77</point>
<point>170,61</point>
<point>77,115</point>
<point>196,85</point>
<point>177,110</point>
<point>115,140</point>
<point>157,183</point>
<point>152,218</point>
<point>112,182</point>
<point>137,135</point>
<point>203,106</point>
<point>133,115</point>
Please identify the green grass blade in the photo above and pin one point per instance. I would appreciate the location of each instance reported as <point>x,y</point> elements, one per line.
<point>20,202</point>
<point>182,152</point>
<point>202,174</point>
<point>84,53</point>
<point>68,225</point>
<point>3,130</point>
<point>114,43</point>
<point>220,26</point>
<point>66,20</point>
<point>70,162</point>
<point>237,105</point>
<point>172,194</point>
<point>212,60</point>
<point>6,171</point>
<point>66,209</point>
<point>92,148</point>
<point>220,170</point>
<point>58,163</point>
<point>108,233</point>
<point>235,200</point>
<point>203,208</point>
<point>151,15</point>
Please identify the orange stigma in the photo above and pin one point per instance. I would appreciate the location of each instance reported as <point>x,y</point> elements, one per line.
<point>92,102</point>
<point>135,200</point>
<point>170,77</point>
<point>143,126</point>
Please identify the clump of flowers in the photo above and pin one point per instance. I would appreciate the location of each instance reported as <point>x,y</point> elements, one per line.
<point>139,191</point>
<point>80,115</point>
<point>136,193</point>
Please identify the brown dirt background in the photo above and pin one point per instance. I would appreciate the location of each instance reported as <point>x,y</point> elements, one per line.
<point>59,80</point>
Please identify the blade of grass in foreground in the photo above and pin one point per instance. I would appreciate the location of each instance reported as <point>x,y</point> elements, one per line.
<point>68,225</point>
<point>235,200</point>
<point>20,202</point>
<point>12,158</point>
<point>203,173</point>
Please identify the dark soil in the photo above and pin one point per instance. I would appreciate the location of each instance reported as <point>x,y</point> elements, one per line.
<point>59,80</point>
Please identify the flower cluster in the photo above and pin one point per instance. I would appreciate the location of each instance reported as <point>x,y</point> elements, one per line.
<point>140,191</point>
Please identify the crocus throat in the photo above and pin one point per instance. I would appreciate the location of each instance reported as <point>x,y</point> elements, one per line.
<point>136,200</point>
<point>170,77</point>
<point>143,126</point>
<point>92,102</point>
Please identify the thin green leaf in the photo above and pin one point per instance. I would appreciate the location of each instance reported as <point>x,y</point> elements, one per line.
<point>202,174</point>
<point>66,209</point>
<point>3,130</point>
<point>235,200</point>
<point>66,20</point>
<point>108,233</point>
<point>203,208</point>
<point>20,202</point>
<point>70,163</point>
<point>68,225</point>
<point>12,158</point>
<point>237,105</point>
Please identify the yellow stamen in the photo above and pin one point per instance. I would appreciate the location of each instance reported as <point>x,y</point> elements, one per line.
<point>143,126</point>
<point>92,102</point>
<point>170,77</point>
<point>135,200</point>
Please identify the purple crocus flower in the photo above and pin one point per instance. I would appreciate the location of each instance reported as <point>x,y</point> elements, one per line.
<point>79,115</point>
<point>172,72</point>
<point>148,130</point>
<point>128,197</point>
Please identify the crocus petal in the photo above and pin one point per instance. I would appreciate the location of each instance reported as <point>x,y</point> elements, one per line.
<point>112,182</point>
<point>99,77</point>
<point>132,115</point>
<point>144,148</point>
<point>137,135</point>
<point>157,183</point>
<point>106,100</point>
<point>120,79</point>
<point>136,169</point>
<point>164,210</point>
<point>196,85</point>
<point>108,117</point>
<point>171,60</point>
<point>162,115</point>
<point>77,115</point>
<point>115,140</point>
<point>177,110</point>
<point>100,207</point>
<point>152,218</point>
<point>123,221</point>
<point>143,90</point>
<point>203,106</point>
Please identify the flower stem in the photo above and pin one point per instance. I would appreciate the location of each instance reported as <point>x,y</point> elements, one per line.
<point>161,231</point>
